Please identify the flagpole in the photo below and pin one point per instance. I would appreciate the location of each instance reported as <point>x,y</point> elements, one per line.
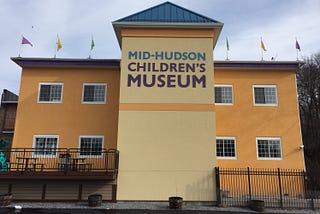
<point>297,50</point>
<point>20,46</point>
<point>261,49</point>
<point>227,46</point>
<point>91,47</point>
<point>55,48</point>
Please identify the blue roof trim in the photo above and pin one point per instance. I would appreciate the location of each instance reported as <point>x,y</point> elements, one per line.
<point>168,13</point>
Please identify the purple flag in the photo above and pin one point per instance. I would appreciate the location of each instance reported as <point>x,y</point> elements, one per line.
<point>298,46</point>
<point>26,42</point>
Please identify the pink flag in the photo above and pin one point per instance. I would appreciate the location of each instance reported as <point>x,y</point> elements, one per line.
<point>26,42</point>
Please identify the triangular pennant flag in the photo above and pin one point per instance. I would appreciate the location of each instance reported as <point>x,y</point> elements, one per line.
<point>262,46</point>
<point>227,44</point>
<point>59,45</point>
<point>298,46</point>
<point>26,41</point>
<point>92,44</point>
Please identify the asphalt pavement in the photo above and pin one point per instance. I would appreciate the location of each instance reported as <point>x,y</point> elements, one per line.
<point>132,208</point>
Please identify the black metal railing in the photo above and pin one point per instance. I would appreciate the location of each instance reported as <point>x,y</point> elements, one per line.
<point>278,188</point>
<point>58,160</point>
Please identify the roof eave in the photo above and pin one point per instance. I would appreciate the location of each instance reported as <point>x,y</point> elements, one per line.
<point>226,64</point>
<point>217,27</point>
<point>63,62</point>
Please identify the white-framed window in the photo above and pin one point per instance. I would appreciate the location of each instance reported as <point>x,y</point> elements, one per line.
<point>91,145</point>
<point>50,92</point>
<point>269,148</point>
<point>94,93</point>
<point>265,95</point>
<point>223,94</point>
<point>45,145</point>
<point>226,147</point>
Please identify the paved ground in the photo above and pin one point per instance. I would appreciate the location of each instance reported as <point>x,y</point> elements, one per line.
<point>130,208</point>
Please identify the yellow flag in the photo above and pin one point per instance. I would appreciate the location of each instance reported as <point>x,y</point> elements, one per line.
<point>262,46</point>
<point>59,45</point>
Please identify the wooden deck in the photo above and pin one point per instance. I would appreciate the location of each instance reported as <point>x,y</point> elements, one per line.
<point>62,164</point>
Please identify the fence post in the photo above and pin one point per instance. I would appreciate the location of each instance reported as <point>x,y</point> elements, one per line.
<point>280,188</point>
<point>249,183</point>
<point>216,169</point>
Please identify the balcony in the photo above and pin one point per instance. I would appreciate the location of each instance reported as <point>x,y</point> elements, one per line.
<point>22,163</point>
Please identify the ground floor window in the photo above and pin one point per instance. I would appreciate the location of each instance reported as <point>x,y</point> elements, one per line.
<point>91,145</point>
<point>226,147</point>
<point>45,145</point>
<point>269,148</point>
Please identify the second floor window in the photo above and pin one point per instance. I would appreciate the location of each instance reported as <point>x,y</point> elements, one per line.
<point>223,94</point>
<point>265,95</point>
<point>50,92</point>
<point>94,93</point>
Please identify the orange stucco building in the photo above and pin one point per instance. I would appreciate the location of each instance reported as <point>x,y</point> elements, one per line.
<point>246,121</point>
<point>171,111</point>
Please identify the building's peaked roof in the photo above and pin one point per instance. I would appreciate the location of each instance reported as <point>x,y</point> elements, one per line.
<point>167,15</point>
<point>8,97</point>
<point>167,12</point>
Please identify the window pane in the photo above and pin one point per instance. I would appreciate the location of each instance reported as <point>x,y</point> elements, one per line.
<point>50,93</point>
<point>269,148</point>
<point>45,146</point>
<point>219,148</point>
<point>229,148</point>
<point>85,146</point>
<point>40,143</point>
<point>270,95</point>
<point>263,148</point>
<point>96,146</point>
<point>88,95</point>
<point>275,150</point>
<point>265,95</point>
<point>259,95</point>
<point>44,93</point>
<point>55,93</point>
<point>94,93</point>
<point>223,94</point>
<point>99,93</point>
<point>226,148</point>
<point>218,95</point>
<point>91,146</point>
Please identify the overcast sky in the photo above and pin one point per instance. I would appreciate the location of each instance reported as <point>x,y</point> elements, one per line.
<point>278,22</point>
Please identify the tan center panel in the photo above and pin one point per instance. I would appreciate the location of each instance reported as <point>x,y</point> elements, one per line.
<point>166,123</point>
